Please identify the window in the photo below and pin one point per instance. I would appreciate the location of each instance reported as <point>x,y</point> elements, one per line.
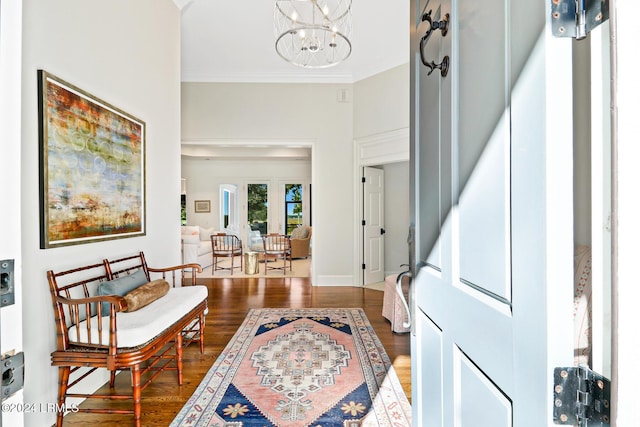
<point>183,209</point>
<point>258,207</point>
<point>229,207</point>
<point>293,206</point>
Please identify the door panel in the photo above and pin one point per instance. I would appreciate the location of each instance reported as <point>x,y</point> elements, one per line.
<point>374,224</point>
<point>429,365</point>
<point>433,206</point>
<point>482,404</point>
<point>483,156</point>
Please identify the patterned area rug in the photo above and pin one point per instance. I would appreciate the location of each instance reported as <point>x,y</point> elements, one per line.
<point>300,368</point>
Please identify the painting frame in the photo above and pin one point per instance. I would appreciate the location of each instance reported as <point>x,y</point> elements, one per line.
<point>202,206</point>
<point>92,168</point>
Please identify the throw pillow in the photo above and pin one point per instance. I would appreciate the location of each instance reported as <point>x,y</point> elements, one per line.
<point>121,286</point>
<point>205,233</point>
<point>300,233</point>
<point>192,230</point>
<point>146,294</point>
<point>187,238</point>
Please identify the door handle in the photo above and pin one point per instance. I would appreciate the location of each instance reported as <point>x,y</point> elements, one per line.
<point>403,299</point>
<point>382,231</point>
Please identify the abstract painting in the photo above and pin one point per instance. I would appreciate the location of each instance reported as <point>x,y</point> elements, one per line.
<point>92,167</point>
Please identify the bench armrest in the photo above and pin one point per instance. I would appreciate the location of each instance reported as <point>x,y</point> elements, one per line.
<point>116,300</point>
<point>78,310</point>
<point>172,273</point>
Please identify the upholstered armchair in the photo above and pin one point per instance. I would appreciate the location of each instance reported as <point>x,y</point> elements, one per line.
<point>300,240</point>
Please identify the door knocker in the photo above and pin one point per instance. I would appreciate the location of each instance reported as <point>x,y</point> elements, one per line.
<point>443,26</point>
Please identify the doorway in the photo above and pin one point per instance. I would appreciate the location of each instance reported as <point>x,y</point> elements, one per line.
<point>388,152</point>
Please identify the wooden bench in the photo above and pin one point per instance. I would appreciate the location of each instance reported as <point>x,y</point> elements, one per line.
<point>146,342</point>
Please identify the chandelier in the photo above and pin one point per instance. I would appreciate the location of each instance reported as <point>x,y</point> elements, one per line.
<point>313,33</point>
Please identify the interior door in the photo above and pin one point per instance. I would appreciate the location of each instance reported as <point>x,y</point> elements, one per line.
<point>373,199</point>
<point>491,212</point>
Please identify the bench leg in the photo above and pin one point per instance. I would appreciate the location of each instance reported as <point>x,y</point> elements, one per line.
<point>112,379</point>
<point>63,382</point>
<point>137,394</point>
<point>179,356</point>
<point>202,333</point>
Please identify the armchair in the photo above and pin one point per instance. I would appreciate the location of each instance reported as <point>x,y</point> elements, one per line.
<point>300,241</point>
<point>225,245</point>
<point>277,246</point>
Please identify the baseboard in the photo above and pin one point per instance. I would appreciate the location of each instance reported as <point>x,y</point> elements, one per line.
<point>346,280</point>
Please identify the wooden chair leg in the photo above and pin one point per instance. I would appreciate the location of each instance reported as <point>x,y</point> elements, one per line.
<point>137,394</point>
<point>63,385</point>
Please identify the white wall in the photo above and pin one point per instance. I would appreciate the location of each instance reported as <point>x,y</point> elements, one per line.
<point>128,54</point>
<point>396,215</point>
<point>381,102</point>
<point>310,113</point>
<point>381,122</point>
<point>10,214</point>
<point>204,177</point>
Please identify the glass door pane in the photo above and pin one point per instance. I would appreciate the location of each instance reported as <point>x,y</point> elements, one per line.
<point>258,207</point>
<point>293,207</point>
<point>229,207</point>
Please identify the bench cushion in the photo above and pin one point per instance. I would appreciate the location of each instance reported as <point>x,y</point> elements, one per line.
<point>141,326</point>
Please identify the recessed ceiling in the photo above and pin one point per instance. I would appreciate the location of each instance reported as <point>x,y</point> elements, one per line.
<point>233,41</point>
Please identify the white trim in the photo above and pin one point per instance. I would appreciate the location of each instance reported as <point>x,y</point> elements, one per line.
<point>371,150</point>
<point>282,77</point>
<point>383,148</point>
<point>333,280</point>
<point>280,142</point>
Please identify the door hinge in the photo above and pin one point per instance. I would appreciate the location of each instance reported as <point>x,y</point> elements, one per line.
<point>576,18</point>
<point>580,396</point>
<point>364,179</point>
<point>364,267</point>
<point>364,222</point>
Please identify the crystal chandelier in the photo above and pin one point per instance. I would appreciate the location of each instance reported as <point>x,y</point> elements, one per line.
<point>313,33</point>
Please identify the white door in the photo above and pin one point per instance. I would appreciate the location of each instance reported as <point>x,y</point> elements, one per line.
<point>491,186</point>
<point>373,225</point>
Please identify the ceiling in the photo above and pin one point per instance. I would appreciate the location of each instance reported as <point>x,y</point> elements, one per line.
<point>233,41</point>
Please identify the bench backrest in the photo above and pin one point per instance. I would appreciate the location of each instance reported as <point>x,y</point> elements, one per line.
<point>74,284</point>
<point>82,283</point>
<point>174,275</point>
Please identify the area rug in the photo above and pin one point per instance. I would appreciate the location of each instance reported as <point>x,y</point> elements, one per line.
<point>300,368</point>
<point>300,268</point>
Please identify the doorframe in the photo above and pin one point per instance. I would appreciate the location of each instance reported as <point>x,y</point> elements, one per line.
<point>373,150</point>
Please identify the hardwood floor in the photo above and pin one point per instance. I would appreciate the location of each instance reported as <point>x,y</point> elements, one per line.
<point>229,300</point>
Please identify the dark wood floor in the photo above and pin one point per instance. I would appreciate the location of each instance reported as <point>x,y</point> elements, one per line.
<point>229,300</point>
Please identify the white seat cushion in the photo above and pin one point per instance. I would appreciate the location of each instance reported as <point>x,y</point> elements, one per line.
<point>138,327</point>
